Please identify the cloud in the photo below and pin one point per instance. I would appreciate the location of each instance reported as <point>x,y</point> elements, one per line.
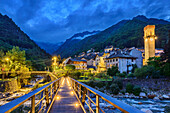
<point>57,20</point>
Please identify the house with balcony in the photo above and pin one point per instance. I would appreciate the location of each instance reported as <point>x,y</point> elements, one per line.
<point>123,62</point>
<point>79,64</point>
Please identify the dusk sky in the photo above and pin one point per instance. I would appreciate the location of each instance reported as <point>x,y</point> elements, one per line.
<point>57,20</point>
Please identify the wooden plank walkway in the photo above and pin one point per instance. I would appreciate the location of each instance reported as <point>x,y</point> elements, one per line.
<point>66,101</point>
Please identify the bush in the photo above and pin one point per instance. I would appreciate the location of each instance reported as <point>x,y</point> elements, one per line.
<point>119,83</point>
<point>131,75</point>
<point>70,67</point>
<point>122,75</point>
<point>114,89</point>
<point>146,72</point>
<point>100,84</point>
<point>129,88</point>
<point>136,90</point>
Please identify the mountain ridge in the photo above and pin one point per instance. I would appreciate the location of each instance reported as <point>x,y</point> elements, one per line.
<point>126,33</point>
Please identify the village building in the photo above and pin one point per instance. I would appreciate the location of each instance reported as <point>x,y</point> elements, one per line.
<point>108,49</point>
<point>138,54</point>
<point>79,64</point>
<point>123,62</point>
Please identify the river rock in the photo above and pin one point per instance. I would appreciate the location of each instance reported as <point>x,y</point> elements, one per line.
<point>126,93</point>
<point>165,96</point>
<point>142,94</point>
<point>146,110</point>
<point>156,99</point>
<point>1,95</point>
<point>151,96</point>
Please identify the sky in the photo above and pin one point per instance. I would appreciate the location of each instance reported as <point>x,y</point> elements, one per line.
<point>57,20</point>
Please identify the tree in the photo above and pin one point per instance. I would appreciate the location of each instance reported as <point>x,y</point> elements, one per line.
<point>155,62</point>
<point>146,72</point>
<point>16,60</point>
<point>70,67</point>
<point>112,71</point>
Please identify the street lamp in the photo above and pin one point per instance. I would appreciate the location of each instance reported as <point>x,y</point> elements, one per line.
<point>7,59</point>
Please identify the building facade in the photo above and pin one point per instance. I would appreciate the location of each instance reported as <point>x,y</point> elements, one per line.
<point>123,62</point>
<point>149,42</point>
<point>79,64</point>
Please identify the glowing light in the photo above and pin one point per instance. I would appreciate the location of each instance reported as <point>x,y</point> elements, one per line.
<point>7,59</point>
<point>54,57</point>
<point>58,97</point>
<point>72,92</point>
<point>76,104</point>
<point>146,39</point>
<point>151,39</point>
<point>156,37</point>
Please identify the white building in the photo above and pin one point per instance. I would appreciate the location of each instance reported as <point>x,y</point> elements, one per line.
<point>123,62</point>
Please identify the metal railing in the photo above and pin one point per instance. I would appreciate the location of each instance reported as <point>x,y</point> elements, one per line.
<point>44,94</point>
<point>83,91</point>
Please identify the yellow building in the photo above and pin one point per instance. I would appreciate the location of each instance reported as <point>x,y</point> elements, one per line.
<point>149,42</point>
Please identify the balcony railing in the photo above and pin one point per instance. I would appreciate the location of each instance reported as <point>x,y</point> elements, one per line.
<point>83,91</point>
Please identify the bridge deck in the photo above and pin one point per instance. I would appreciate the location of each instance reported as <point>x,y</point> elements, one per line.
<point>66,101</point>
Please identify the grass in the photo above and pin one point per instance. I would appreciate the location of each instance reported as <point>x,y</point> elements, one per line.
<point>86,79</point>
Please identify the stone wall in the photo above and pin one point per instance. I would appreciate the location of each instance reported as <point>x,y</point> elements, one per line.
<point>8,85</point>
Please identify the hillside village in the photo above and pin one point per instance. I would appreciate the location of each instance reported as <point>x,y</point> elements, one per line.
<point>125,59</point>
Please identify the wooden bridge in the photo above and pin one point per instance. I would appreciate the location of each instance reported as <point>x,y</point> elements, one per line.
<point>66,95</point>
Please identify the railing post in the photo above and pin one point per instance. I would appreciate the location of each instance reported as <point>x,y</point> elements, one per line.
<point>88,93</point>
<point>46,96</point>
<point>42,94</point>
<point>51,91</point>
<point>58,83</point>
<point>55,88</point>
<point>97,104</point>
<point>76,87</point>
<point>84,96</point>
<point>33,104</point>
<point>79,91</point>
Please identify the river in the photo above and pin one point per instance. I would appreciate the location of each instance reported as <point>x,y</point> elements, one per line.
<point>154,106</point>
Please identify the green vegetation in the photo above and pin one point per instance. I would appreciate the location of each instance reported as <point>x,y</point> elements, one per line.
<point>11,35</point>
<point>70,67</point>
<point>112,71</point>
<point>126,33</point>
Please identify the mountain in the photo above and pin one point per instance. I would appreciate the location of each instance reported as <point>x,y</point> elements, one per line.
<point>49,47</point>
<point>11,35</point>
<point>74,40</point>
<point>126,33</point>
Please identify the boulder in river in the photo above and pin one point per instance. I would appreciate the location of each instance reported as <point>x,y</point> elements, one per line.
<point>146,110</point>
<point>165,96</point>
<point>156,99</point>
<point>142,94</point>
<point>151,96</point>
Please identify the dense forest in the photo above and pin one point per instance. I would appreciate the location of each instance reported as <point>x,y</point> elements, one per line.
<point>126,33</point>
<point>11,35</point>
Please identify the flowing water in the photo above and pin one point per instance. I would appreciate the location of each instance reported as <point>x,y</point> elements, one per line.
<point>155,106</point>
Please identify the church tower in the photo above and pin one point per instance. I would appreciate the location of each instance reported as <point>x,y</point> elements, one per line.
<point>149,42</point>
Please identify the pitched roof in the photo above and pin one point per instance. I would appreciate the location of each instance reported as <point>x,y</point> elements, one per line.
<point>120,55</point>
<point>78,60</point>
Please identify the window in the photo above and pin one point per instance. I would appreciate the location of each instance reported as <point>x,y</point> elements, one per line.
<point>132,60</point>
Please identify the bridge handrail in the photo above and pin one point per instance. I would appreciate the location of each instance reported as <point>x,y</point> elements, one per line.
<point>76,85</point>
<point>19,101</point>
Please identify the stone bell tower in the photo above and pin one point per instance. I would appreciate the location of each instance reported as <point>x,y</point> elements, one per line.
<point>149,42</point>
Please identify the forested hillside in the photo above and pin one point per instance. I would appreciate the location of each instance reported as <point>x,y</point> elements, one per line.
<point>11,35</point>
<point>126,33</point>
